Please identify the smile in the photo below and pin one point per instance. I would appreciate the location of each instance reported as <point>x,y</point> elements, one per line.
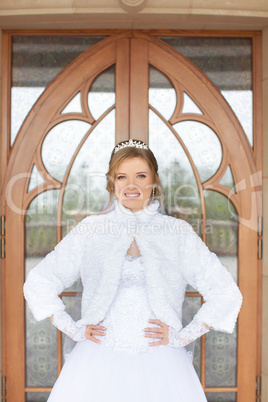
<point>133,195</point>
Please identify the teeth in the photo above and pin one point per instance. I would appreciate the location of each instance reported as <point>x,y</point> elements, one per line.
<point>132,195</point>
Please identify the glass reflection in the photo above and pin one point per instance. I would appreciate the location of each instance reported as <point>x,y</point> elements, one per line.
<point>60,144</point>
<point>189,106</point>
<point>221,359</point>
<point>190,307</point>
<point>221,348</point>
<point>226,61</point>
<point>73,307</point>
<point>221,396</point>
<point>182,198</point>
<point>40,239</point>
<point>228,64</point>
<point>37,396</point>
<point>85,191</point>
<point>102,93</point>
<point>162,95</point>
<point>35,179</point>
<point>41,352</point>
<point>40,227</point>
<point>203,145</point>
<point>242,104</point>
<point>74,106</point>
<point>36,60</point>
<point>222,230</point>
<point>227,179</point>
<point>22,100</point>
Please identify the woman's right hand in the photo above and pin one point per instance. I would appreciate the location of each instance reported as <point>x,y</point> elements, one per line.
<point>94,330</point>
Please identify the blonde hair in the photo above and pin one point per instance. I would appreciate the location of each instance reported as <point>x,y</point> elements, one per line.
<point>127,153</point>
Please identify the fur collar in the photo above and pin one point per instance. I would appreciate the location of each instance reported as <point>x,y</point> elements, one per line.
<point>146,214</point>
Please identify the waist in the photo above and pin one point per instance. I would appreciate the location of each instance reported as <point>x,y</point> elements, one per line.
<point>126,320</point>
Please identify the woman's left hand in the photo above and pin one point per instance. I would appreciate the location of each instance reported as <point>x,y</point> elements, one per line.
<point>155,332</point>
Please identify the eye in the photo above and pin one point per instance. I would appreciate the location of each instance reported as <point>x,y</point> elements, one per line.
<point>120,177</point>
<point>141,175</point>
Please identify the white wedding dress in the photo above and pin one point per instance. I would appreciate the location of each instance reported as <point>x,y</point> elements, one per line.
<point>123,367</point>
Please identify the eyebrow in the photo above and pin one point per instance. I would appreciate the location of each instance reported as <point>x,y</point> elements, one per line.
<point>137,172</point>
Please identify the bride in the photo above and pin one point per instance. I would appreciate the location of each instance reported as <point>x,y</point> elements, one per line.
<point>134,263</point>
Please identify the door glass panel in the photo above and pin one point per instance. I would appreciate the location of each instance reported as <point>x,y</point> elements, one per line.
<point>189,106</point>
<point>73,307</point>
<point>182,198</point>
<point>227,179</point>
<point>228,64</point>
<point>85,191</point>
<point>22,100</point>
<point>197,357</point>
<point>36,60</point>
<point>221,348</point>
<point>242,104</point>
<point>74,106</point>
<point>221,359</point>
<point>41,352</point>
<point>35,179</point>
<point>190,307</point>
<point>37,396</point>
<point>60,145</point>
<point>222,236</point>
<point>221,396</point>
<point>40,238</point>
<point>102,93</point>
<point>203,145</point>
<point>162,95</point>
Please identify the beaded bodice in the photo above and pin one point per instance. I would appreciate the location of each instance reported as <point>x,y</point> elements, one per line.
<point>130,311</point>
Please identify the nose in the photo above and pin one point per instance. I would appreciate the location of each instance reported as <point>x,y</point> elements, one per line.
<point>131,184</point>
<point>131,181</point>
<point>131,187</point>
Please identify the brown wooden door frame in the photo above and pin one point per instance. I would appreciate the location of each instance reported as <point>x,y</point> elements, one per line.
<point>14,163</point>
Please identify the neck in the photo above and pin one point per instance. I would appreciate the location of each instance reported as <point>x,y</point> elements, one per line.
<point>136,209</point>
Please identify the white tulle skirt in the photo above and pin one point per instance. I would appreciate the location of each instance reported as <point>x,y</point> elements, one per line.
<point>97,373</point>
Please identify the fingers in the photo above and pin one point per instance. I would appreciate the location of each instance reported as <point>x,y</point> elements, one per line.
<point>154,335</point>
<point>91,338</point>
<point>157,333</point>
<point>155,321</point>
<point>164,339</point>
<point>95,327</point>
<point>156,330</point>
<point>94,330</point>
<point>153,329</point>
<point>158,322</point>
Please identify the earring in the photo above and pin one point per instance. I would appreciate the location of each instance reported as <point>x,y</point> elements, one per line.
<point>153,193</point>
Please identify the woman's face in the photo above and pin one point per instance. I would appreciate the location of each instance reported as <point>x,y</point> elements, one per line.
<point>134,183</point>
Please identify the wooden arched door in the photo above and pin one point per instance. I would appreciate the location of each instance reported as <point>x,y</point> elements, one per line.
<point>130,85</point>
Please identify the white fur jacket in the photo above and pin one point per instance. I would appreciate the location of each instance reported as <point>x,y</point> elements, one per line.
<point>173,256</point>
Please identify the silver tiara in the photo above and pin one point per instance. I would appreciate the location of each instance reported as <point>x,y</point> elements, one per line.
<point>130,143</point>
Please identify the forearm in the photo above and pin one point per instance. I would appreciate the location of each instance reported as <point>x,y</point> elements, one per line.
<point>64,322</point>
<point>188,334</point>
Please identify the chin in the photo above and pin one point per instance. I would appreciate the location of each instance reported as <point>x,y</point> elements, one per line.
<point>134,204</point>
